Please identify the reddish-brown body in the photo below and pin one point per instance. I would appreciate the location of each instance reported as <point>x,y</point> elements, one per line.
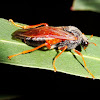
<point>63,37</point>
<point>48,34</point>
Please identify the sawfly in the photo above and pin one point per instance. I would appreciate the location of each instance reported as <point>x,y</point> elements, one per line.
<point>61,38</point>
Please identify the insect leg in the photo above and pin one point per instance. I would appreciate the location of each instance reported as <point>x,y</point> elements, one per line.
<point>27,51</point>
<point>29,26</point>
<point>57,57</point>
<point>84,62</point>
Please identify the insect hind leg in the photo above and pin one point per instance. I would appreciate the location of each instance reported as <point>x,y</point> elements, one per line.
<point>28,26</point>
<point>27,51</point>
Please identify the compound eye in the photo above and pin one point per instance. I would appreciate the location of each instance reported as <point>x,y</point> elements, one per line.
<point>86,44</point>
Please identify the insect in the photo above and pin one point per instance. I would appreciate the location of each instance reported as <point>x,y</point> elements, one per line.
<point>43,35</point>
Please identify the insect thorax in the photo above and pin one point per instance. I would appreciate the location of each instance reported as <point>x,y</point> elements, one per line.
<point>71,44</point>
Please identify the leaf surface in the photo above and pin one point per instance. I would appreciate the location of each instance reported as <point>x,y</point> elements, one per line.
<point>66,63</point>
<point>86,5</point>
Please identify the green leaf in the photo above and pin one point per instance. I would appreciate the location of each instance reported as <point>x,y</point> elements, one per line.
<point>88,5</point>
<point>66,63</point>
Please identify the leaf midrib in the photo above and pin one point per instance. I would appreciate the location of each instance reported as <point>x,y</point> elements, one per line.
<point>89,57</point>
<point>13,42</point>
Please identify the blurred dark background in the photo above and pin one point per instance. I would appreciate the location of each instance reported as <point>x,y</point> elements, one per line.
<point>20,80</point>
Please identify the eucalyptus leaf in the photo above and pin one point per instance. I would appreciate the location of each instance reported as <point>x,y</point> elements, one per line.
<point>66,63</point>
<point>87,5</point>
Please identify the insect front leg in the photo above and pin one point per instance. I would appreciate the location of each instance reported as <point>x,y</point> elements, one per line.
<point>29,26</point>
<point>84,62</point>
